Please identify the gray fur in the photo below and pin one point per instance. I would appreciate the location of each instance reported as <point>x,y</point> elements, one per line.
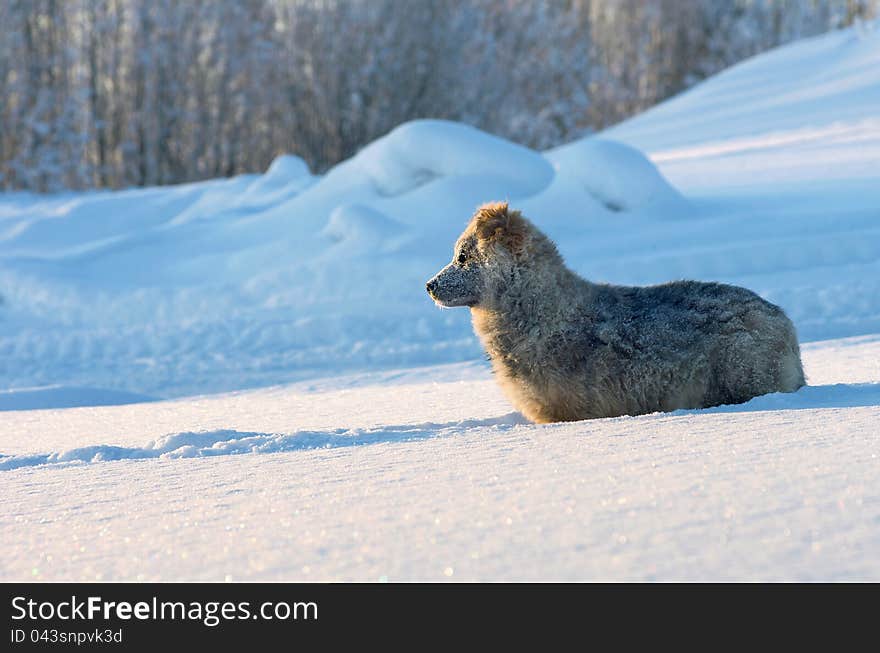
<point>564,348</point>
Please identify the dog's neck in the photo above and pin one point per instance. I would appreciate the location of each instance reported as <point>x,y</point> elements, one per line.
<point>530,315</point>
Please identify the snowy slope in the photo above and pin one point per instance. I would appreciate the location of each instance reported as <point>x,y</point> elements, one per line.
<point>356,464</point>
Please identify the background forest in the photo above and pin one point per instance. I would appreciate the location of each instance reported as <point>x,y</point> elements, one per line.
<point>118,93</point>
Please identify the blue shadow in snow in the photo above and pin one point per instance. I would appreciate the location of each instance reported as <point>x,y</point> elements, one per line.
<point>839,395</point>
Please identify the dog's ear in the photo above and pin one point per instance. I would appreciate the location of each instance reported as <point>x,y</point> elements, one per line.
<point>496,223</point>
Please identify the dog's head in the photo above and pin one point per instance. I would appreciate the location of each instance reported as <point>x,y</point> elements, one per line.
<point>487,258</point>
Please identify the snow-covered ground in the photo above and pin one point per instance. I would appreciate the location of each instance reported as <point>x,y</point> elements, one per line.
<point>266,392</point>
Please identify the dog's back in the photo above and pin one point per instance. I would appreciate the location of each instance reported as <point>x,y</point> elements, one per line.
<point>691,344</point>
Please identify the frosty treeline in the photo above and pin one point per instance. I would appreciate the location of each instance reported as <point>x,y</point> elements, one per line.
<point>113,93</point>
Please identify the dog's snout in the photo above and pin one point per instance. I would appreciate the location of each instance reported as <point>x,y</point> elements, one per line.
<point>431,286</point>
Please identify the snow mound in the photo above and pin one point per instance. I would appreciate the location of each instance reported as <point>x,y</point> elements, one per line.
<point>285,168</point>
<point>286,177</point>
<point>284,171</point>
<point>420,151</point>
<point>360,226</point>
<point>619,176</point>
<point>58,396</point>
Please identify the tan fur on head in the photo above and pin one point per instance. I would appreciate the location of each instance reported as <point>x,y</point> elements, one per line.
<point>496,223</point>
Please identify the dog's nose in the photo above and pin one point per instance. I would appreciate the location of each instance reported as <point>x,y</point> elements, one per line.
<point>431,286</point>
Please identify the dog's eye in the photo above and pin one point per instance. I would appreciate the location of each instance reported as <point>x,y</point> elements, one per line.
<point>462,258</point>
